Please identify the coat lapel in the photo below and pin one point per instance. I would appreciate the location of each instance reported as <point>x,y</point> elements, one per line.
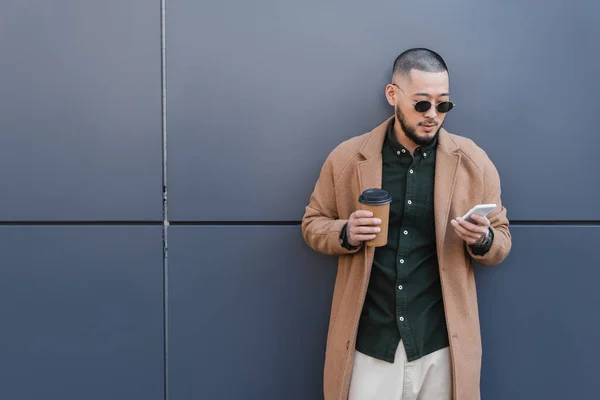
<point>370,170</point>
<point>369,173</point>
<point>370,176</point>
<point>447,161</point>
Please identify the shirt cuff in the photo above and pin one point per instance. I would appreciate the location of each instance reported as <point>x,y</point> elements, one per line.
<point>481,249</point>
<point>344,239</point>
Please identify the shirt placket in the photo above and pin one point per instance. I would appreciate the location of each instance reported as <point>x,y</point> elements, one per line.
<point>404,247</point>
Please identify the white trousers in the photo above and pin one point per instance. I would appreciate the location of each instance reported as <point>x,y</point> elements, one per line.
<point>428,378</point>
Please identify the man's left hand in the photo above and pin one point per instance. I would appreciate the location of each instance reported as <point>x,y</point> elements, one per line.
<point>472,233</point>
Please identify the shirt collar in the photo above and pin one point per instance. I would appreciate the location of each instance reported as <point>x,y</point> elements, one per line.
<point>393,142</point>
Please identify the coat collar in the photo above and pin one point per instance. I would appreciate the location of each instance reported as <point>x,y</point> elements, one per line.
<point>447,162</point>
<point>374,142</point>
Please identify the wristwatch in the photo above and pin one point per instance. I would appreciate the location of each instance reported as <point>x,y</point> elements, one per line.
<point>344,239</point>
<point>488,238</point>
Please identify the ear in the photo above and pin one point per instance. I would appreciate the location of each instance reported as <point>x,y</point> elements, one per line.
<point>391,94</point>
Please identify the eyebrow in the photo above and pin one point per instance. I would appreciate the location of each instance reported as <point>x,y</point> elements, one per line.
<point>428,95</point>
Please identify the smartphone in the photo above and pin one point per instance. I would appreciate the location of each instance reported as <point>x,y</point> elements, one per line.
<point>479,209</point>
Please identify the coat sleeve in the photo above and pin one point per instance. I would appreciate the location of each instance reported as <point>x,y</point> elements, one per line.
<point>502,241</point>
<point>321,225</point>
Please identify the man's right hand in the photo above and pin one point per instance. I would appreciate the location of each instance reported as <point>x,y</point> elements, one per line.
<point>362,227</point>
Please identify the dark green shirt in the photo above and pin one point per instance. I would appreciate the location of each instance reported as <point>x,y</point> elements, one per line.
<point>404,297</point>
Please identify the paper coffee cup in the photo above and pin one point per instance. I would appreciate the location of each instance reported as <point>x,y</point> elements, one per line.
<point>378,202</point>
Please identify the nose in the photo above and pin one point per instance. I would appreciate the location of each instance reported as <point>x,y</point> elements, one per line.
<point>431,113</point>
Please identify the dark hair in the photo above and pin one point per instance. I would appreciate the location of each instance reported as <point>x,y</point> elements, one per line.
<point>420,59</point>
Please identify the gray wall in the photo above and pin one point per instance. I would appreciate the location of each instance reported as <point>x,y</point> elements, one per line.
<point>256,96</point>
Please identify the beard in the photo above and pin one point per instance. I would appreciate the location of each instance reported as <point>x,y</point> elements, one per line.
<point>411,131</point>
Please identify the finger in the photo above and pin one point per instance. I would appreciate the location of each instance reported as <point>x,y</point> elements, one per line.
<point>362,238</point>
<point>480,220</point>
<point>480,229</point>
<point>468,238</point>
<point>361,214</point>
<point>367,221</point>
<point>464,238</point>
<point>365,229</point>
<point>465,234</point>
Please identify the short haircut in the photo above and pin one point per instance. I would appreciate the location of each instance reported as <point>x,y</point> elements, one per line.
<point>421,59</point>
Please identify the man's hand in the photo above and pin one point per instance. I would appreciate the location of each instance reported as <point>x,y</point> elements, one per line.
<point>362,227</point>
<point>472,233</point>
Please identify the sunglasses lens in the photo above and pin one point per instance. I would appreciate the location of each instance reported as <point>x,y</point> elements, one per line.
<point>422,106</point>
<point>445,106</point>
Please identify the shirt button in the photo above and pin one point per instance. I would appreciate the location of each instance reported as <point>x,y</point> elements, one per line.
<point>401,319</point>
<point>398,152</point>
<point>403,150</point>
<point>402,261</point>
<point>406,232</point>
<point>411,171</point>
<point>409,202</point>
<point>424,154</point>
<point>400,287</point>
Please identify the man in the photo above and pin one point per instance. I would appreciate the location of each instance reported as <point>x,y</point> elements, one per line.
<point>404,319</point>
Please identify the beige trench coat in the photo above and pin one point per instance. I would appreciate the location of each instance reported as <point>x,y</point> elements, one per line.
<point>464,177</point>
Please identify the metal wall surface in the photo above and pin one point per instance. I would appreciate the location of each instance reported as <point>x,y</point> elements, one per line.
<point>539,316</point>
<point>80,110</point>
<point>248,323</point>
<point>81,311</point>
<point>257,99</point>
<point>259,96</point>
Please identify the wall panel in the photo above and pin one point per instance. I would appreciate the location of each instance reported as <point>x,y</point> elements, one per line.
<point>248,318</point>
<point>539,316</point>
<point>80,137</point>
<point>81,310</point>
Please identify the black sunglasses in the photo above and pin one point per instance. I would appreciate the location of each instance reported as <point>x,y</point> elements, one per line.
<point>424,105</point>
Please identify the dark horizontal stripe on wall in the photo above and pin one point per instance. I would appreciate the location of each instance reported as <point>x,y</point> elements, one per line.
<point>297,223</point>
<point>236,223</point>
<point>252,223</point>
<point>555,223</point>
<point>80,223</point>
